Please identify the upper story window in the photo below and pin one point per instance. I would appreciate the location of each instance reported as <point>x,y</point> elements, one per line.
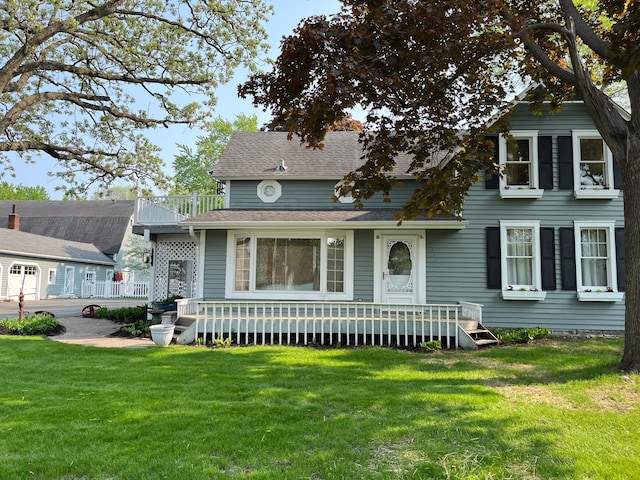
<point>343,198</point>
<point>596,274</point>
<point>519,165</point>
<point>521,260</point>
<point>592,166</point>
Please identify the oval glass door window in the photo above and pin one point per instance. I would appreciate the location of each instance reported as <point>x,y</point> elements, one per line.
<point>399,264</point>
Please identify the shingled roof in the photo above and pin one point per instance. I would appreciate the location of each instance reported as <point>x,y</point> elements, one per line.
<point>14,242</point>
<point>102,223</point>
<point>260,155</point>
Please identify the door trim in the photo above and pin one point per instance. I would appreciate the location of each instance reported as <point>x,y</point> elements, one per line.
<point>379,257</point>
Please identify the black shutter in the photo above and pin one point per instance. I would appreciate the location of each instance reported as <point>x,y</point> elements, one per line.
<point>617,176</point>
<point>620,265</point>
<point>545,162</point>
<point>548,248</point>
<point>494,270</point>
<point>493,182</point>
<point>567,258</point>
<point>565,163</point>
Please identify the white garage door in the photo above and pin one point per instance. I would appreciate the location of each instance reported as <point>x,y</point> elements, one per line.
<point>23,277</point>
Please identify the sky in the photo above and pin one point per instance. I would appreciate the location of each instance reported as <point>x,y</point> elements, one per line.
<point>287,14</point>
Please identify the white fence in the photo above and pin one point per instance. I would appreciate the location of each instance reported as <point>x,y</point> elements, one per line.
<point>104,289</point>
<point>328,323</point>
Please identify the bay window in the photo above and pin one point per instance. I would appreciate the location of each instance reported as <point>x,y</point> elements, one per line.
<point>305,267</point>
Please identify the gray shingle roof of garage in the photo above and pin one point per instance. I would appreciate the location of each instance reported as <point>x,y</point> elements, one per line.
<point>102,223</point>
<point>14,242</point>
<point>251,155</point>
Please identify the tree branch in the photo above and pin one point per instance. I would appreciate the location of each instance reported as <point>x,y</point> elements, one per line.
<point>584,31</point>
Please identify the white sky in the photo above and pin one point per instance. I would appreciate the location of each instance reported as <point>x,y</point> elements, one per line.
<point>287,15</point>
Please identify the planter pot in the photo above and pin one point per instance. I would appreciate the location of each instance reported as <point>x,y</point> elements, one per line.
<point>165,306</point>
<point>162,334</point>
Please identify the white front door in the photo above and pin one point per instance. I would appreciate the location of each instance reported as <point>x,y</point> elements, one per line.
<point>400,268</point>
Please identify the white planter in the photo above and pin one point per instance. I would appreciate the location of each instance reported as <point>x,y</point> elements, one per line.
<point>162,334</point>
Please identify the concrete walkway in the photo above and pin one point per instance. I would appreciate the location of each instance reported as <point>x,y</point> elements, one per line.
<point>95,332</point>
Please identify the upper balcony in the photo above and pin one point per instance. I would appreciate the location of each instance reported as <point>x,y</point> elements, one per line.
<point>170,209</point>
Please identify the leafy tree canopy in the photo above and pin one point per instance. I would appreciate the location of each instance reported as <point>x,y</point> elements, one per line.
<point>80,79</point>
<point>428,70</point>
<point>21,192</point>
<point>192,167</point>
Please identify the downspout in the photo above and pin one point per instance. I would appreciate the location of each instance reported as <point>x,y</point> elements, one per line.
<point>199,263</point>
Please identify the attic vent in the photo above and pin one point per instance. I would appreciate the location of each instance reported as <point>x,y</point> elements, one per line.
<point>281,167</point>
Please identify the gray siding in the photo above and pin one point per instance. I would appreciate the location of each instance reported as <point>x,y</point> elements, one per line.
<point>456,261</point>
<point>363,266</point>
<point>215,264</point>
<point>308,194</point>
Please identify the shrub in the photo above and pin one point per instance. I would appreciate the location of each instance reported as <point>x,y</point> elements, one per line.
<point>30,325</point>
<point>431,346</point>
<point>124,314</point>
<point>520,335</point>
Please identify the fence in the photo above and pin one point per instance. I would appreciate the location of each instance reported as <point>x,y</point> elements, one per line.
<point>105,289</point>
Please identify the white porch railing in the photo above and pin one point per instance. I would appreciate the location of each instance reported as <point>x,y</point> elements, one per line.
<point>108,289</point>
<point>322,323</point>
<point>170,209</point>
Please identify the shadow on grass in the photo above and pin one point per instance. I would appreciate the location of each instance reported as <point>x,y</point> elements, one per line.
<point>279,412</point>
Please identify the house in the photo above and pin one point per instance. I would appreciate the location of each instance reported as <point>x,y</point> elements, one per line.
<point>541,245</point>
<point>55,248</point>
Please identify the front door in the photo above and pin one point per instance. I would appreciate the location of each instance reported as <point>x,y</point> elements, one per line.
<point>400,268</point>
<point>69,274</point>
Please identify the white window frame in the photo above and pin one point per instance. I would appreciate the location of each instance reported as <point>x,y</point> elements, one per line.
<point>322,294</point>
<point>52,274</point>
<point>520,191</point>
<point>598,293</point>
<point>596,192</point>
<point>346,198</point>
<point>269,191</point>
<point>522,292</point>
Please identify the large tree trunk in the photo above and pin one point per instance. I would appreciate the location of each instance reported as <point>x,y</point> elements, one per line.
<point>631,173</point>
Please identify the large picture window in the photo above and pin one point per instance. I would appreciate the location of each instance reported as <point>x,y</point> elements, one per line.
<point>290,266</point>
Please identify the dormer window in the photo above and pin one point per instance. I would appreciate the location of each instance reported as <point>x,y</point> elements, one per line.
<point>519,165</point>
<point>269,191</point>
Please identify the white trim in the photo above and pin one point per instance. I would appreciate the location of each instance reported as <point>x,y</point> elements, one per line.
<point>582,192</point>
<point>337,225</point>
<point>512,291</point>
<point>378,259</point>
<point>322,294</point>
<point>520,191</point>
<point>269,191</point>
<point>597,293</point>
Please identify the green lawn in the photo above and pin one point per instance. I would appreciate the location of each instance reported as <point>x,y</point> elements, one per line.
<point>555,410</point>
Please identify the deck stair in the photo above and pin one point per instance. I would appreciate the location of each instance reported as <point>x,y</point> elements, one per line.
<point>184,331</point>
<point>473,335</point>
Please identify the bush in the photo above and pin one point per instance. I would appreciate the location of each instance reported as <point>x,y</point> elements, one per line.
<point>520,335</point>
<point>30,325</point>
<point>431,346</point>
<point>124,314</point>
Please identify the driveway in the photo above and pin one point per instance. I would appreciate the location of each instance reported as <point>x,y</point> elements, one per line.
<point>79,330</point>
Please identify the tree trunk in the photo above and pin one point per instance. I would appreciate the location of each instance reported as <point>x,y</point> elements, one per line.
<point>631,175</point>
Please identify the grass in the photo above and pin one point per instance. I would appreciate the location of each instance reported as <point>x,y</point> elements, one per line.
<point>555,410</point>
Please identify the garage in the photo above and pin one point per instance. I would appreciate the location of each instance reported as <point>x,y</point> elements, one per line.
<point>25,277</point>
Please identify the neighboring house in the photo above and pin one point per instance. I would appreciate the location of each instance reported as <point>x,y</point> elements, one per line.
<point>539,246</point>
<point>51,248</point>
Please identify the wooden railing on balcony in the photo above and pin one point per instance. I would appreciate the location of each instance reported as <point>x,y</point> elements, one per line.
<point>170,209</point>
